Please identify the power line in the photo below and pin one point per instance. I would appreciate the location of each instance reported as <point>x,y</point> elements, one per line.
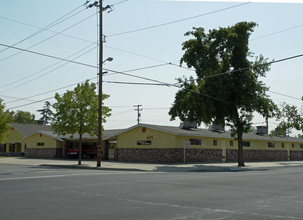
<point>45,39</point>
<point>259,65</point>
<point>120,2</point>
<point>54,23</point>
<point>277,32</point>
<point>288,96</point>
<point>177,21</point>
<point>148,79</point>
<point>59,33</point>
<point>135,83</point>
<point>54,90</point>
<point>42,100</point>
<point>33,74</point>
<point>151,58</point>
<point>49,56</point>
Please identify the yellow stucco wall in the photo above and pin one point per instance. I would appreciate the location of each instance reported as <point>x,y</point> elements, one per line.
<point>165,140</point>
<point>32,141</point>
<point>14,137</point>
<point>158,139</point>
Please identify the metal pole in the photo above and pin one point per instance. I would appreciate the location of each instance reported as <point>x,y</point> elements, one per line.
<point>184,155</point>
<point>100,140</point>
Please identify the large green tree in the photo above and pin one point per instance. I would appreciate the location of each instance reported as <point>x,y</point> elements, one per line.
<point>77,112</point>
<point>23,117</point>
<point>5,118</point>
<point>227,89</point>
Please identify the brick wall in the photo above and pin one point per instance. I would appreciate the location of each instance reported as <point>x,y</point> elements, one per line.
<point>296,155</point>
<point>168,155</point>
<point>43,153</point>
<point>257,155</point>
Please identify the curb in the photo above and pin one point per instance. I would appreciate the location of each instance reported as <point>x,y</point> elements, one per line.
<point>84,167</point>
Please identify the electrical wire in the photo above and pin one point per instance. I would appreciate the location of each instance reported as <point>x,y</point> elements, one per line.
<point>177,21</point>
<point>46,68</point>
<point>52,70</point>
<point>46,38</point>
<point>42,100</point>
<point>54,90</point>
<point>49,56</point>
<point>135,83</point>
<point>168,85</point>
<point>277,32</point>
<point>259,65</point>
<point>54,23</point>
<point>51,31</point>
<point>157,81</point>
<point>120,2</point>
<point>288,96</point>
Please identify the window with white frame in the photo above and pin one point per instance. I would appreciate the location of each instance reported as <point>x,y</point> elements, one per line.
<point>271,144</point>
<point>40,144</point>
<point>231,143</point>
<point>194,141</point>
<point>246,144</point>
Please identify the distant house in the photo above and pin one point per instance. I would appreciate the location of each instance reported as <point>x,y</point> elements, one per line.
<point>154,143</point>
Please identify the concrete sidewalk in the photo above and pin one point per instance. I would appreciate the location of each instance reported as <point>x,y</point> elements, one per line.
<point>151,167</point>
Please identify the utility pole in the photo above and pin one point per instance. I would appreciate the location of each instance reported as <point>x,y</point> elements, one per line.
<point>100,139</point>
<point>100,73</point>
<point>138,110</point>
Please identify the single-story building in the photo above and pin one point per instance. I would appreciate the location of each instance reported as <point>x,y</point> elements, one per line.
<point>15,143</point>
<point>40,141</point>
<point>155,143</point>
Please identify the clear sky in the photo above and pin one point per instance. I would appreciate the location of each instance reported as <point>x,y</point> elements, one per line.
<point>139,34</point>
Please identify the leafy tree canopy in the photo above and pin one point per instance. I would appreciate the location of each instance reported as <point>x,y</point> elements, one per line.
<point>5,118</point>
<point>227,89</point>
<point>23,117</point>
<point>290,118</point>
<point>77,110</point>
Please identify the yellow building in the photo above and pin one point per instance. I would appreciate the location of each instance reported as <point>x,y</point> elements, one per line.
<point>40,141</point>
<point>43,144</point>
<point>15,143</point>
<point>154,143</point>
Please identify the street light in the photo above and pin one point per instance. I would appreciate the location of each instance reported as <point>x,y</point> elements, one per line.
<point>109,59</point>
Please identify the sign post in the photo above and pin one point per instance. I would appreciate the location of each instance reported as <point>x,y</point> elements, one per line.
<point>186,146</point>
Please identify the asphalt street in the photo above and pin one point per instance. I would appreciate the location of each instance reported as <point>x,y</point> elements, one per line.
<point>32,192</point>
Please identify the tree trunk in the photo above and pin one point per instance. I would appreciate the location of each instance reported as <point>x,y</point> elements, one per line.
<point>239,127</point>
<point>80,147</point>
<point>240,148</point>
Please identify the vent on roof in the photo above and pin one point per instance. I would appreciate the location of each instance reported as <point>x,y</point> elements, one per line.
<point>262,130</point>
<point>216,128</point>
<point>188,125</point>
<point>40,122</point>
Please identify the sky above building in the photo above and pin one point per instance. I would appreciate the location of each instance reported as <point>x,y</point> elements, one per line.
<point>144,38</point>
